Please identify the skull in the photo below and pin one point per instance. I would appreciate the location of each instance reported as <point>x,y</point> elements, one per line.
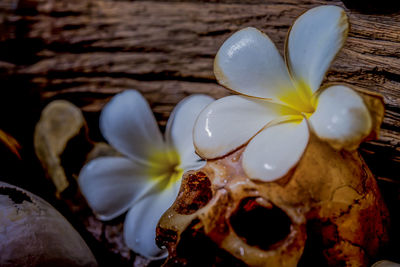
<point>327,211</point>
<point>33,233</point>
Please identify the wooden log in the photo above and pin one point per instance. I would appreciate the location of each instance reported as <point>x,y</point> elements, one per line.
<point>86,51</point>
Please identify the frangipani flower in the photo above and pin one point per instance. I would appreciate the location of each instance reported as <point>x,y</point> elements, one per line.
<point>281,101</point>
<point>146,180</point>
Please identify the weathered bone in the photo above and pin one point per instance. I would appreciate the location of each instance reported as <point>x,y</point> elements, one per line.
<point>328,209</point>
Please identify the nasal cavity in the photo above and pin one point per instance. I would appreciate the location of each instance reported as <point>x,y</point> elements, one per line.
<point>260,223</point>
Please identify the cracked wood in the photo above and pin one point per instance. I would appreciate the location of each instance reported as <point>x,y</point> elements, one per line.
<point>86,51</point>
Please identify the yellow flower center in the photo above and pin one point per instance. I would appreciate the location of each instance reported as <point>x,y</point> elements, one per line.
<point>301,99</point>
<point>165,167</point>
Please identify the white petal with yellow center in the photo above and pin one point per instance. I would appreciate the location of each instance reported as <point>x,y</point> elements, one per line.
<point>179,130</point>
<point>249,63</point>
<point>112,184</point>
<point>128,124</point>
<point>148,179</point>
<point>341,117</point>
<point>141,222</point>
<point>313,42</point>
<point>271,154</point>
<point>232,121</point>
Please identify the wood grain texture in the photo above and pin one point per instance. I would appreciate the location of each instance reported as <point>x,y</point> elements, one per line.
<point>85,51</point>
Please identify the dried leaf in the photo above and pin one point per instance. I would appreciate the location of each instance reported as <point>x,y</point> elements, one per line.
<point>59,123</point>
<point>10,142</point>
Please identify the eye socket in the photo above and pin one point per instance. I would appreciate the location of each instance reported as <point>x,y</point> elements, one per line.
<point>260,223</point>
<point>194,194</point>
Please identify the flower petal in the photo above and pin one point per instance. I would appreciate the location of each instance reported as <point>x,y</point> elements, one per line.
<point>141,222</point>
<point>112,184</point>
<point>341,118</point>
<point>179,131</point>
<point>230,122</point>
<point>249,63</point>
<point>272,153</point>
<point>376,107</point>
<point>313,42</point>
<point>129,126</point>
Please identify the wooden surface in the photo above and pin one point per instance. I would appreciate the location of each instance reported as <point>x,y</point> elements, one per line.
<point>85,51</point>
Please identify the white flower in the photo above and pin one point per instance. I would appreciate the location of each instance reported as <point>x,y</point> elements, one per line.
<point>146,181</point>
<point>280,101</point>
